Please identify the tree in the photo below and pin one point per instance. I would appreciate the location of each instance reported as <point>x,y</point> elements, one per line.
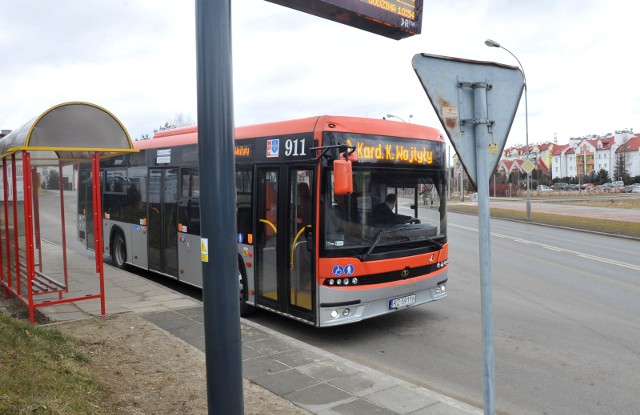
<point>53,180</point>
<point>621,172</point>
<point>602,177</point>
<point>178,121</point>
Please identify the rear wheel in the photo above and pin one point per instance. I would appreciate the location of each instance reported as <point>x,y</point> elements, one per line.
<point>119,250</point>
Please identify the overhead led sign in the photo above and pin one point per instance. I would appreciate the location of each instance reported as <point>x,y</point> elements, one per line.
<point>395,19</point>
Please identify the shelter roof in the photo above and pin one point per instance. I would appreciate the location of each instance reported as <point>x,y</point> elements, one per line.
<point>70,131</point>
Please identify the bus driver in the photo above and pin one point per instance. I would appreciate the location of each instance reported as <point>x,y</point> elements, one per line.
<point>384,213</point>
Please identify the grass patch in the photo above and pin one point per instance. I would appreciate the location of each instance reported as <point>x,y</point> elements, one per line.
<point>621,203</point>
<point>595,225</point>
<point>42,371</point>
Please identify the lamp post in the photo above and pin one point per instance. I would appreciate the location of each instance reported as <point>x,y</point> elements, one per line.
<point>494,44</point>
<point>395,116</point>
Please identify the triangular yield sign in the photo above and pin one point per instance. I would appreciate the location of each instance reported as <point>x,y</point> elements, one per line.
<point>446,81</point>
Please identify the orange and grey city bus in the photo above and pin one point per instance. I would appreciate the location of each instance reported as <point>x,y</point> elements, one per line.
<point>310,246</point>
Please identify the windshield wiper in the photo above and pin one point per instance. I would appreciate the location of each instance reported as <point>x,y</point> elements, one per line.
<point>434,242</point>
<point>381,235</point>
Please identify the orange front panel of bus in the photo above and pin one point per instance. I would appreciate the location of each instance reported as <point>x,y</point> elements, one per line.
<point>326,266</point>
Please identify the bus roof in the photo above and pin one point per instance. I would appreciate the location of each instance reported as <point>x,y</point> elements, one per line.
<point>189,135</point>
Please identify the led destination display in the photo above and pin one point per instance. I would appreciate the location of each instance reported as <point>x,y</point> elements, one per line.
<point>395,19</point>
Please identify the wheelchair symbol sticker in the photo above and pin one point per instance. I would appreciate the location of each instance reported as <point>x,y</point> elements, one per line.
<point>338,270</point>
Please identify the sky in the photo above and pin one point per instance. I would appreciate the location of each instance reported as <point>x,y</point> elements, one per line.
<point>137,59</point>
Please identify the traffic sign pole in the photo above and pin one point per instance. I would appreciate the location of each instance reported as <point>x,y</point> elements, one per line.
<point>482,151</point>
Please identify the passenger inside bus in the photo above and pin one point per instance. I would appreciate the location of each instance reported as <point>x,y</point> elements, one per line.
<point>384,213</point>
<point>304,207</point>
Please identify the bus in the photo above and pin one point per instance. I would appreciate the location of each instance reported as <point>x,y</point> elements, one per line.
<point>312,242</point>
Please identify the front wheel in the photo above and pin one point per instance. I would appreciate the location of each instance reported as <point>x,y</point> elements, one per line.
<point>119,250</point>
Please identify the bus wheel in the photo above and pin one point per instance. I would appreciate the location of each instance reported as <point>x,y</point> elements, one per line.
<point>119,250</point>
<point>245,309</point>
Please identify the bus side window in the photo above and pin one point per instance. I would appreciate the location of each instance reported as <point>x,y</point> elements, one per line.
<point>189,203</point>
<point>271,207</point>
<point>304,206</point>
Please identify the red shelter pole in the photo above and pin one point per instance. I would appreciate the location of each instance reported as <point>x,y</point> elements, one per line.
<point>97,225</point>
<point>7,235</point>
<point>28,229</point>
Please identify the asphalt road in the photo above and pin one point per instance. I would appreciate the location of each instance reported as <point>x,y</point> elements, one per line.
<point>566,324</point>
<point>566,321</point>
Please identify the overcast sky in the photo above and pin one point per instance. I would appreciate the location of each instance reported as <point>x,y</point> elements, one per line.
<point>137,59</point>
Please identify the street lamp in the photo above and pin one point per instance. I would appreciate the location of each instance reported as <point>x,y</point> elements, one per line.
<point>494,44</point>
<point>395,116</point>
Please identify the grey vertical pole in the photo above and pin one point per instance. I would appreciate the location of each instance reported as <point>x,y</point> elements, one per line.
<point>461,182</point>
<point>217,207</point>
<point>482,169</point>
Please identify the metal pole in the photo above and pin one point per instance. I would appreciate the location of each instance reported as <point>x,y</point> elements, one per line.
<point>526,138</point>
<point>217,206</point>
<point>449,174</point>
<point>482,162</point>
<point>494,44</point>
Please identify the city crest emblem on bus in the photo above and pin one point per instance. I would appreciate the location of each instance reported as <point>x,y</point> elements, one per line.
<point>273,148</point>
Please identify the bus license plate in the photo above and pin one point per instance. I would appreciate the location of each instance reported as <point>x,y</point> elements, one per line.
<point>402,301</point>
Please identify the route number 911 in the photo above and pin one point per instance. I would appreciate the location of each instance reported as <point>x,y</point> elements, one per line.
<point>294,147</point>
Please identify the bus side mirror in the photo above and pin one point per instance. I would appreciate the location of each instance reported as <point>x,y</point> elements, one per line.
<point>342,178</point>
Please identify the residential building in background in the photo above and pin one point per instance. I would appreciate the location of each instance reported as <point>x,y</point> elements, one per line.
<point>580,157</point>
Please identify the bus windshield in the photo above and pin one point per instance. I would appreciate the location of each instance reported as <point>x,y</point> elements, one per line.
<point>390,210</point>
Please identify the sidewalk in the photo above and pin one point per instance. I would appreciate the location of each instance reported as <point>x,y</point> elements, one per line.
<point>308,377</point>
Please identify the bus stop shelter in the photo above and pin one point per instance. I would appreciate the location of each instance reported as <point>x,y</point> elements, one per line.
<point>37,160</point>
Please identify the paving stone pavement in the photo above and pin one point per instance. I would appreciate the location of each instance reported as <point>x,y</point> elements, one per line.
<point>308,377</point>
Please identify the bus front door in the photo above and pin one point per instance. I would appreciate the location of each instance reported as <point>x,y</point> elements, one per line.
<point>284,261</point>
<point>163,221</point>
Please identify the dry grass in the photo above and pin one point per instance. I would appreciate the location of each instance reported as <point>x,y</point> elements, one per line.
<point>43,372</point>
<point>618,202</point>
<point>613,227</point>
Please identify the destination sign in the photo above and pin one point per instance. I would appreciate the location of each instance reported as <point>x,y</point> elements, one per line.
<point>378,149</point>
<point>395,19</point>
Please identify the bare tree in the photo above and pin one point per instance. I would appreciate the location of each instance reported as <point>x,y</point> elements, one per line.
<point>179,121</point>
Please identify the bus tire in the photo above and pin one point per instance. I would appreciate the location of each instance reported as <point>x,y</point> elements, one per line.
<point>118,250</point>
<point>245,309</point>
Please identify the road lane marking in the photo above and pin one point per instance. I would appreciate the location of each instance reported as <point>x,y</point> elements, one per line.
<point>555,248</point>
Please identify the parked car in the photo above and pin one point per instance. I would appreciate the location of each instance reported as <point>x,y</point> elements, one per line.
<point>544,188</point>
<point>588,186</point>
<point>632,188</point>
<point>560,186</point>
<point>610,188</point>
<point>574,187</point>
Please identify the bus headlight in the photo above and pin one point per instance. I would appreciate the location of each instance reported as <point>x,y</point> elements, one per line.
<point>334,314</point>
<point>346,312</point>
